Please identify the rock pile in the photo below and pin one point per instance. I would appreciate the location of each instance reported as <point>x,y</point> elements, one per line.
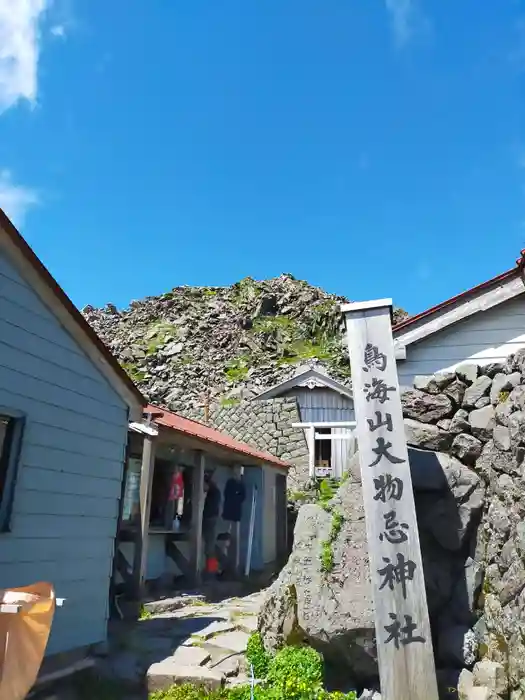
<point>197,345</point>
<point>466,431</point>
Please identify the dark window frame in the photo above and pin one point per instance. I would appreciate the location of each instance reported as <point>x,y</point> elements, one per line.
<point>10,451</point>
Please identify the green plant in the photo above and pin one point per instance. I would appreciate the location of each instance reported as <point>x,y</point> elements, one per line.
<point>257,655</point>
<point>158,334</point>
<point>134,373</point>
<point>503,396</point>
<point>327,554</point>
<point>229,401</point>
<point>144,614</point>
<point>296,672</point>
<point>327,488</point>
<point>237,368</point>
<point>273,324</point>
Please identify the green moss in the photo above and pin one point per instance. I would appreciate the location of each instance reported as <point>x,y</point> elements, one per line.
<point>135,374</point>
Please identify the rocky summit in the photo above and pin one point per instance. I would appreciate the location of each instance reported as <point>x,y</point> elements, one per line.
<point>198,345</point>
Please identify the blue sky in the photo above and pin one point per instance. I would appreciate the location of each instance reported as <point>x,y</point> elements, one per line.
<point>373,147</point>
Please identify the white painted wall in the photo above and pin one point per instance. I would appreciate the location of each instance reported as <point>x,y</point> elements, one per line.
<point>488,336</point>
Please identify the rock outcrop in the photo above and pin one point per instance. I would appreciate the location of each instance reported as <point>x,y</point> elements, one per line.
<point>466,431</point>
<point>217,345</point>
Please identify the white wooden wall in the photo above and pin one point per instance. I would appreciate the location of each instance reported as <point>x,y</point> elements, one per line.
<point>488,336</point>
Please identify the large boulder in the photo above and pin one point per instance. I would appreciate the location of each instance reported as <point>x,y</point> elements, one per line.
<point>333,611</point>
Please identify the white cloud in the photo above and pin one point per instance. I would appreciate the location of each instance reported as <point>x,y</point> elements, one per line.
<point>19,50</point>
<point>58,30</point>
<point>406,20</point>
<point>15,200</point>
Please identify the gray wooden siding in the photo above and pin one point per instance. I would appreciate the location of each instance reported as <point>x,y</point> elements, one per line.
<point>322,405</point>
<point>488,336</point>
<point>68,486</point>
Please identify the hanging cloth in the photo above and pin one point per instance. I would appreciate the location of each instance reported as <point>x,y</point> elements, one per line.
<point>234,496</point>
<point>177,487</point>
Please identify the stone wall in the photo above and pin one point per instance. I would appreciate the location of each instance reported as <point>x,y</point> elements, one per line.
<point>477,416</point>
<point>466,436</point>
<point>266,425</point>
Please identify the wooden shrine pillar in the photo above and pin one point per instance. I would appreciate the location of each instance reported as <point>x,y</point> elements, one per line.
<point>146,482</point>
<point>197,500</point>
<point>404,643</point>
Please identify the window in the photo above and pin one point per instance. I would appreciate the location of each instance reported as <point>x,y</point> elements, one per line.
<point>11,426</point>
<point>323,449</point>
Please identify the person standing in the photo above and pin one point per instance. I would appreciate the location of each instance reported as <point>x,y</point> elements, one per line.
<point>210,515</point>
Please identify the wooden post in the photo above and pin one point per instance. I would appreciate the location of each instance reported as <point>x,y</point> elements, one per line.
<point>146,483</point>
<point>197,500</point>
<point>310,439</point>
<point>404,643</point>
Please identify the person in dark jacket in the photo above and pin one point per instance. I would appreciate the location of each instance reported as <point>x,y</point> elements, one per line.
<point>210,515</point>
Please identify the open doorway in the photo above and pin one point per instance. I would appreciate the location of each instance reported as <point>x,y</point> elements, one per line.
<point>323,450</point>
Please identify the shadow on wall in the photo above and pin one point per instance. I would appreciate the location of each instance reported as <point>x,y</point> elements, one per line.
<point>449,499</point>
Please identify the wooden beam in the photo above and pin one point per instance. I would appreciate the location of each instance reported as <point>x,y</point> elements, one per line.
<point>404,643</point>
<point>197,500</point>
<point>141,545</point>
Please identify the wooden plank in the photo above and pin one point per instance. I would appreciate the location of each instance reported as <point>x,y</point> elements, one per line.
<point>33,502</point>
<point>176,555</point>
<point>48,526</point>
<point>197,500</point>
<point>48,481</point>
<point>146,483</point>
<point>44,390</point>
<point>404,643</point>
<point>14,550</point>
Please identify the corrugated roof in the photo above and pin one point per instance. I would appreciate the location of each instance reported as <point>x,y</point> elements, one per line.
<point>199,431</point>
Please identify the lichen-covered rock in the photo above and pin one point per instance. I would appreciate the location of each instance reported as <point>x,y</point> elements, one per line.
<point>459,422</point>
<point>456,391</point>
<point>482,422</point>
<point>426,408</point>
<point>479,388</point>
<point>466,447</point>
<point>426,435</point>
<point>468,372</point>
<point>491,675</point>
<point>334,613</point>
<point>503,383</point>
<point>434,383</point>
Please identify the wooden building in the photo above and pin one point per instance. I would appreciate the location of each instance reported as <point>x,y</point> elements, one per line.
<point>326,410</point>
<point>153,542</point>
<point>482,325</point>
<point>65,407</point>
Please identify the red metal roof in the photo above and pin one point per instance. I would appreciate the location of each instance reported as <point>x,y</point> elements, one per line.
<point>464,296</point>
<point>203,432</point>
